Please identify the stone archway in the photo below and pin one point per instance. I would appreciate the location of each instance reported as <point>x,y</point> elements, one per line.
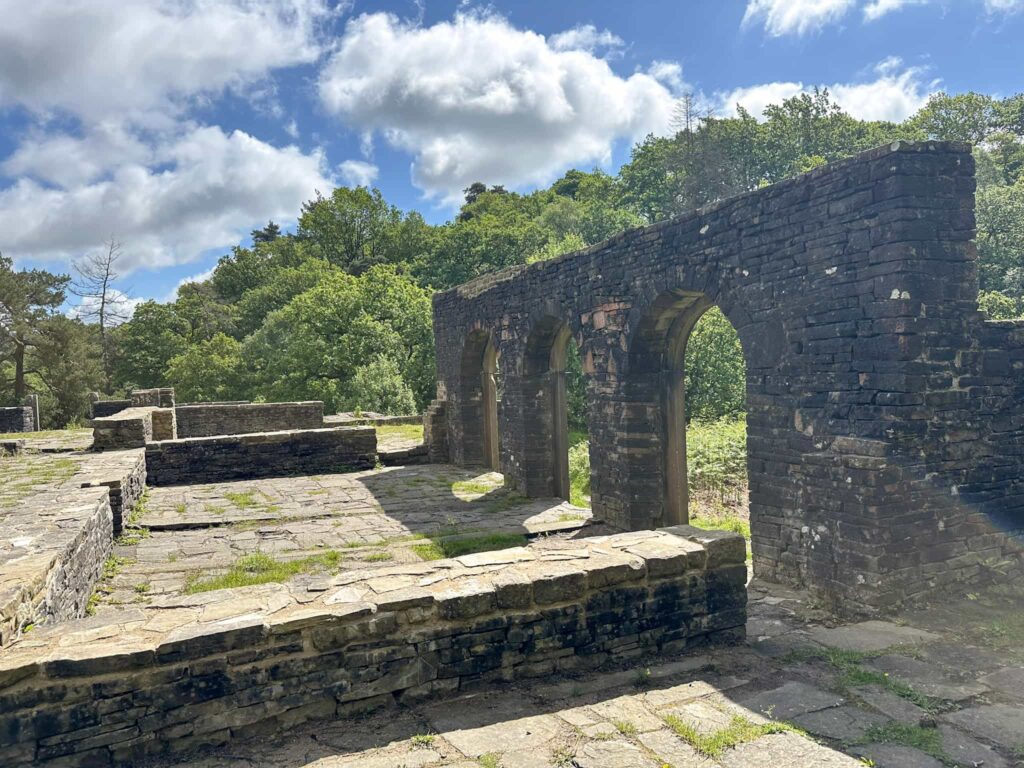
<point>545,409</point>
<point>479,400</point>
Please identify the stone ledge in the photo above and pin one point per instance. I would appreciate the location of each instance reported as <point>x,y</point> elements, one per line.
<point>163,678</point>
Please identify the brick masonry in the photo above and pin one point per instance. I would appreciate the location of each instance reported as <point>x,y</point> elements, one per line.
<point>271,454</point>
<point>204,420</point>
<point>885,428</point>
<point>17,419</point>
<point>82,697</point>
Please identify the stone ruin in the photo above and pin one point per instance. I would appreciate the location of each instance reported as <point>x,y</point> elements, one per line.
<point>885,422</point>
<point>884,460</point>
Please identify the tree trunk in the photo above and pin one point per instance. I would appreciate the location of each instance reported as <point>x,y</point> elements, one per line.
<point>19,370</point>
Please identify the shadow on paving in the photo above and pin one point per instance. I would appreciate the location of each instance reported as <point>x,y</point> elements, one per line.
<point>942,689</point>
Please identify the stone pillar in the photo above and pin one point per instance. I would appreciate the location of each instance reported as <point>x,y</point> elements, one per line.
<point>32,401</point>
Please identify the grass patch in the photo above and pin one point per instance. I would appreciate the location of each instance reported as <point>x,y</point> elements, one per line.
<point>400,432</point>
<point>379,557</point>
<point>243,499</point>
<point>927,740</point>
<point>422,740</point>
<point>439,549</point>
<point>739,731</point>
<point>853,674</point>
<point>44,434</point>
<point>261,568</point>
<point>473,487</point>
<point>490,760</point>
<point>626,728</point>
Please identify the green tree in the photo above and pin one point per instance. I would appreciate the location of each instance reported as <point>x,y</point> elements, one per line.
<point>145,345</point>
<point>998,306</point>
<point>715,372</point>
<point>66,367</point>
<point>208,371</point>
<point>379,386</point>
<point>28,298</point>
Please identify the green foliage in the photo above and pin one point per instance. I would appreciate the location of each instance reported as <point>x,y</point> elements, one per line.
<point>579,474</point>
<point>207,371</point>
<point>716,456</point>
<point>379,386</point>
<point>715,372</point>
<point>999,306</point>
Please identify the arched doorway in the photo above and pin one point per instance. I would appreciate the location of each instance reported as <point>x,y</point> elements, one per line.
<point>659,378</point>
<point>548,408</point>
<point>479,375</point>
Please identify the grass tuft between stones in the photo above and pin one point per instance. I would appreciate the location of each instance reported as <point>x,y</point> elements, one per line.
<point>927,740</point>
<point>439,549</point>
<point>739,731</point>
<point>261,568</point>
<point>853,674</point>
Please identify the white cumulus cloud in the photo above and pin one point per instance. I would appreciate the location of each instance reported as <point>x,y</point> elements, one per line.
<point>101,59</point>
<point>476,99</point>
<point>358,173</point>
<point>799,17</point>
<point>585,38</point>
<point>784,17</point>
<point>205,189</point>
<point>896,93</point>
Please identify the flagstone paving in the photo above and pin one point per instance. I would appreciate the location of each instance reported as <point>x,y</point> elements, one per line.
<point>809,692</point>
<point>370,519</point>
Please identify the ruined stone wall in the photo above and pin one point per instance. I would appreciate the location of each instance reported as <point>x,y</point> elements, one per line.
<point>130,428</point>
<point>357,648</point>
<point>883,414</point>
<point>204,420</point>
<point>17,419</point>
<point>271,454</point>
<point>52,576</point>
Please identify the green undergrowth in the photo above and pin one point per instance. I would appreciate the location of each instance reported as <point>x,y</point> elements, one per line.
<point>45,434</point>
<point>442,548</point>
<point>261,568</point>
<point>853,674</point>
<point>132,532</point>
<point>739,731</point>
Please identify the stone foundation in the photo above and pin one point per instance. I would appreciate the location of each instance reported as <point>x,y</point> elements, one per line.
<point>271,454</point>
<point>205,420</point>
<point>18,419</point>
<point>105,693</point>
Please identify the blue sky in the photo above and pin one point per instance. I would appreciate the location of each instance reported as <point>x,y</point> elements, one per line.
<point>177,127</point>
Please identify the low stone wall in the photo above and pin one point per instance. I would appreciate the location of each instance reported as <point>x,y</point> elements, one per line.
<point>206,420</point>
<point>165,424</point>
<point>159,397</point>
<point>269,454</point>
<point>17,419</point>
<point>124,474</point>
<point>115,693</point>
<point>53,544</point>
<point>58,546</point>
<point>130,428</point>
<point>376,420</point>
<point>404,457</point>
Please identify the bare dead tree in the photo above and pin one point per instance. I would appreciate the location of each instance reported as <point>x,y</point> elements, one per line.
<point>101,303</point>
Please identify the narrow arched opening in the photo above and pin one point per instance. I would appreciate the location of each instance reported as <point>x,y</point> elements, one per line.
<point>687,382</point>
<point>553,408</point>
<point>480,376</point>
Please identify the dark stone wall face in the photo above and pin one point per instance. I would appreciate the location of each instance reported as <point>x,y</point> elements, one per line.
<point>17,419</point>
<point>250,456</point>
<point>885,433</point>
<point>206,419</point>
